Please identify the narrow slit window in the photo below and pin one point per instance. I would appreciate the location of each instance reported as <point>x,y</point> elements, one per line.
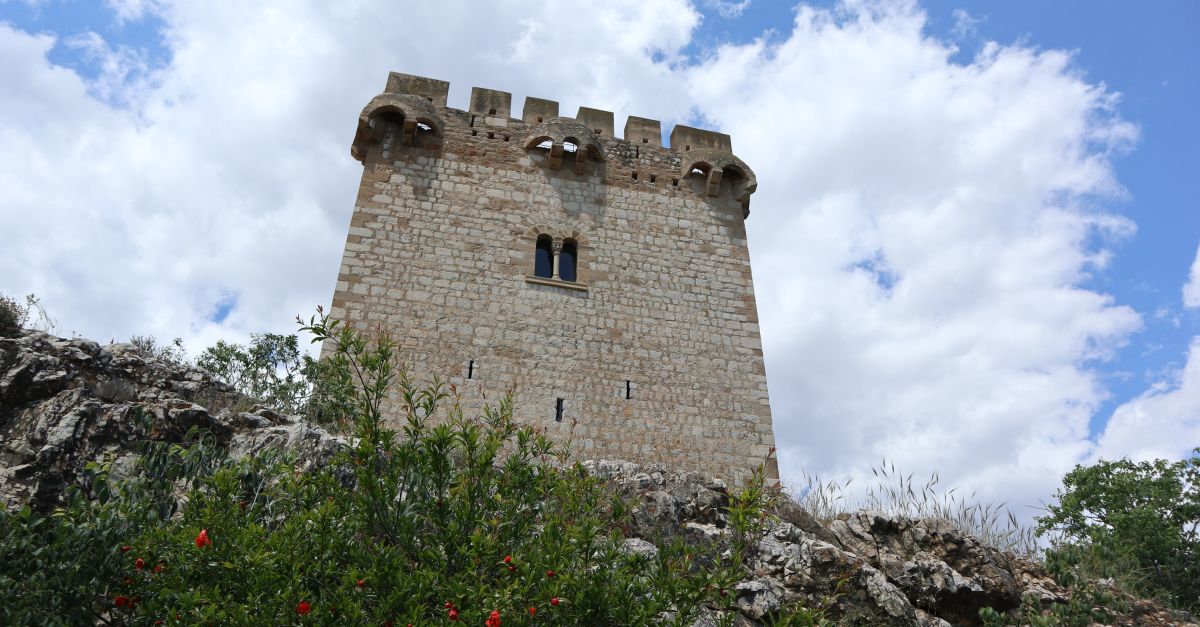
<point>628,389</point>
<point>471,369</point>
<point>558,410</point>
<point>543,259</point>
<point>567,259</point>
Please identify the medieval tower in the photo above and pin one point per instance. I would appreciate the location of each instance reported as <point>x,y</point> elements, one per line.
<point>605,279</point>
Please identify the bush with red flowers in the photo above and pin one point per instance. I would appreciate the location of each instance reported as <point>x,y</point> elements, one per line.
<point>450,517</point>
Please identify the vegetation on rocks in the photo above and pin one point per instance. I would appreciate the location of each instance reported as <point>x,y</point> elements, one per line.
<point>139,489</point>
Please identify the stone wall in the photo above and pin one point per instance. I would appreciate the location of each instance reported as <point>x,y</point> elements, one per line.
<point>441,247</point>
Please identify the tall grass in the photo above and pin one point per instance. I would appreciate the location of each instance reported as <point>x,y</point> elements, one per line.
<point>897,494</point>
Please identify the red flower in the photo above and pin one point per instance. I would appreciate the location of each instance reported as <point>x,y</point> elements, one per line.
<point>447,605</point>
<point>512,569</point>
<point>121,601</point>
<point>126,548</point>
<point>453,614</point>
<point>361,582</point>
<point>549,573</point>
<point>507,559</point>
<point>493,619</point>
<point>139,564</point>
<point>202,539</point>
<point>553,600</point>
<point>158,568</point>
<point>532,611</point>
<point>303,608</point>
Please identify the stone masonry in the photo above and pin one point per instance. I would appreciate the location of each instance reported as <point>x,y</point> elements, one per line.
<point>652,353</point>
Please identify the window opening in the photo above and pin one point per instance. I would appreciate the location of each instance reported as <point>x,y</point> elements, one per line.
<point>546,145</point>
<point>471,369</point>
<point>570,146</point>
<point>675,182</point>
<point>491,136</point>
<point>628,389</point>
<point>558,410</point>
<point>424,127</point>
<point>653,178</point>
<point>491,112</point>
<point>635,176</point>
<point>543,260</point>
<point>566,260</point>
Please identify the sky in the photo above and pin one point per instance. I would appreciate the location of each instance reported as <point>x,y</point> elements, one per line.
<point>974,239</point>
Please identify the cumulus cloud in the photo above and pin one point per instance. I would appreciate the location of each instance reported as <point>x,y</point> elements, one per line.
<point>921,236</point>
<point>1191,289</point>
<point>1162,423</point>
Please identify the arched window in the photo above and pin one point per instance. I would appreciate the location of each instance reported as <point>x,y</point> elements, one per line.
<point>566,260</point>
<point>543,260</point>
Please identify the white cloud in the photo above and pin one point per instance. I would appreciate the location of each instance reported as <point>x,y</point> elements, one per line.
<point>728,9</point>
<point>921,235</point>
<point>1191,289</point>
<point>965,25</point>
<point>1162,423</point>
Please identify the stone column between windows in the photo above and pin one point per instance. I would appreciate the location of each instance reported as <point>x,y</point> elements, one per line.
<point>557,249</point>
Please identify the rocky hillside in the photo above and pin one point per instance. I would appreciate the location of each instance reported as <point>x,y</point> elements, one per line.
<point>65,402</point>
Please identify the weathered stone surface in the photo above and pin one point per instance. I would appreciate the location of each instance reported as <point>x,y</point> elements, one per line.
<point>64,403</point>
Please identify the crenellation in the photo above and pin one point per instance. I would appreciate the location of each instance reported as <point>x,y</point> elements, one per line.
<point>600,122</point>
<point>538,110</point>
<point>643,131</point>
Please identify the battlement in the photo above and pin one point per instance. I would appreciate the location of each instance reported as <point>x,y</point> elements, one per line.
<point>497,104</point>
<point>413,110</point>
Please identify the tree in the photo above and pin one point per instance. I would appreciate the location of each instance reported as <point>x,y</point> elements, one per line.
<point>1145,513</point>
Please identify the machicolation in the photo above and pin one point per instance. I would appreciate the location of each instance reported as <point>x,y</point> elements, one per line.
<point>606,280</point>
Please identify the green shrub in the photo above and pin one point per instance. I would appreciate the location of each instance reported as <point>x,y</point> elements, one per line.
<point>477,520</point>
<point>13,316</point>
<point>1138,523</point>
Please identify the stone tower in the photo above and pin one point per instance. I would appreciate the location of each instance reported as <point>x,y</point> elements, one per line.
<point>605,279</point>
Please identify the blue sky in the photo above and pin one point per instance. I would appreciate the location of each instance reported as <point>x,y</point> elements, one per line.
<point>201,205</point>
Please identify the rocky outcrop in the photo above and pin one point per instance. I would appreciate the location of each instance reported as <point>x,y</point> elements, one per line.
<point>65,402</point>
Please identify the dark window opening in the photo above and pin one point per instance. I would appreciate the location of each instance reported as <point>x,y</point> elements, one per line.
<point>628,389</point>
<point>635,176</point>
<point>653,178</point>
<point>491,112</point>
<point>491,136</point>
<point>566,260</point>
<point>505,137</point>
<point>539,118</point>
<point>645,140</point>
<point>474,133</point>
<point>597,131</point>
<point>558,410</point>
<point>543,260</point>
<point>471,369</point>
<point>675,182</point>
